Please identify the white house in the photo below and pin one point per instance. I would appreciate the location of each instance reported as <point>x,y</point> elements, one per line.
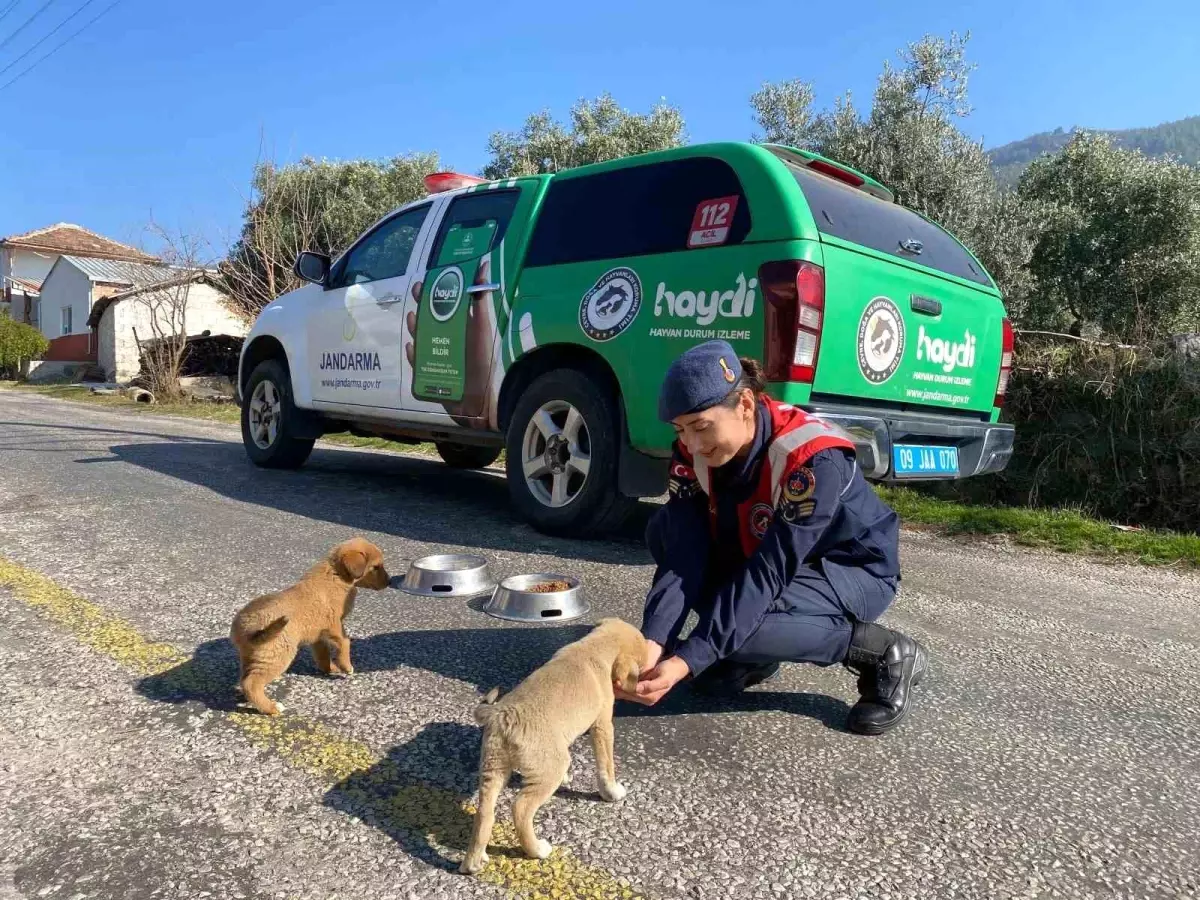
<point>97,310</point>
<point>122,320</point>
<point>26,260</point>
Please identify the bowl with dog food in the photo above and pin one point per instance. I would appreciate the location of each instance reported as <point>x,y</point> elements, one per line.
<point>448,575</point>
<point>541,597</point>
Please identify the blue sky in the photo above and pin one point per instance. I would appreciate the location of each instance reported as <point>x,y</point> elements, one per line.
<point>159,109</point>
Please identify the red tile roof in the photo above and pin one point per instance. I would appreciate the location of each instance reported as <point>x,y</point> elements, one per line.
<point>74,239</point>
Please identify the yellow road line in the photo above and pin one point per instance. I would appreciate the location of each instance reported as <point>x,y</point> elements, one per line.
<point>394,799</point>
<point>89,623</point>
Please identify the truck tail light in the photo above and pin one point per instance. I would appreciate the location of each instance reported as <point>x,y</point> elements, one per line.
<point>837,172</point>
<point>794,291</point>
<point>1006,360</point>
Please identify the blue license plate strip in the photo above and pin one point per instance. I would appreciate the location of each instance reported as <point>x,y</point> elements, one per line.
<point>923,460</point>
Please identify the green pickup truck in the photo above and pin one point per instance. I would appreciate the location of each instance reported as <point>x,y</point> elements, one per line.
<point>537,315</point>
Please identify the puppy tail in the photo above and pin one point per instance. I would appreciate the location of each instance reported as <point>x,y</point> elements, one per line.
<point>265,634</point>
<point>483,712</point>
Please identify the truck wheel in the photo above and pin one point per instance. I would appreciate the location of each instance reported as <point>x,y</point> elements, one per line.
<point>268,415</point>
<point>466,456</point>
<point>562,451</point>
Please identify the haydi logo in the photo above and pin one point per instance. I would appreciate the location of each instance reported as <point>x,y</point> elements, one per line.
<point>706,306</point>
<point>947,354</point>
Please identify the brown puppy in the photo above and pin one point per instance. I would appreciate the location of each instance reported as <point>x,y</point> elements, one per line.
<point>531,730</point>
<point>269,630</point>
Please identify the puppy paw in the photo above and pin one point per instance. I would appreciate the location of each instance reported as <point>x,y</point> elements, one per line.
<point>613,792</point>
<point>278,710</point>
<point>473,865</point>
<point>544,849</point>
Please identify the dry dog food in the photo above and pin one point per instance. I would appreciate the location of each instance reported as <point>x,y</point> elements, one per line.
<point>548,587</point>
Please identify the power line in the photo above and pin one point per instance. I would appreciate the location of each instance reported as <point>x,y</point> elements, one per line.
<point>37,62</point>
<point>41,9</point>
<point>4,12</point>
<point>47,36</point>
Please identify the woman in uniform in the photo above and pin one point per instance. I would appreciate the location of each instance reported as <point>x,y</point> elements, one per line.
<point>774,538</point>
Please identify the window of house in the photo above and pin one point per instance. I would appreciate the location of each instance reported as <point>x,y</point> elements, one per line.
<point>66,320</point>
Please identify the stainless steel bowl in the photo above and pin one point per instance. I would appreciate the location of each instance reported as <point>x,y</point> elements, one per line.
<point>514,600</point>
<point>448,575</point>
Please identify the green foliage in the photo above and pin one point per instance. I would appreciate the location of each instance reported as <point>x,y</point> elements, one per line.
<point>784,112</point>
<point>1180,139</point>
<point>18,343</point>
<point>1113,431</point>
<point>1121,250</point>
<point>312,205</point>
<point>599,130</point>
<point>1065,530</point>
<point>910,141</point>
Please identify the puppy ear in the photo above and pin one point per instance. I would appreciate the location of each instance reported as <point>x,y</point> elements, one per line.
<point>626,669</point>
<point>353,563</point>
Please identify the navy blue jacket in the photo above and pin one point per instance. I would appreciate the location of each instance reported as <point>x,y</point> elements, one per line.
<point>848,527</point>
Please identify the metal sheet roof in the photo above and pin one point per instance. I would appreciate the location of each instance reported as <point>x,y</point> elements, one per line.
<point>111,271</point>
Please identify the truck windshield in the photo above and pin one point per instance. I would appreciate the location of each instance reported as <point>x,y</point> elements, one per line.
<point>853,215</point>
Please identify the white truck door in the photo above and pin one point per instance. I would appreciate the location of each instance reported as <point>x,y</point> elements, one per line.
<point>355,334</point>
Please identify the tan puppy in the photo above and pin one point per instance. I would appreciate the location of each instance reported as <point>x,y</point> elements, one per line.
<point>269,630</point>
<point>531,730</point>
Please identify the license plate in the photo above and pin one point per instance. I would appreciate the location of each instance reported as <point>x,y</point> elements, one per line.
<point>923,459</point>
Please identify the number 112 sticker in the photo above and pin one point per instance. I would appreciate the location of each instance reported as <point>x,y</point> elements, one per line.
<point>710,225</point>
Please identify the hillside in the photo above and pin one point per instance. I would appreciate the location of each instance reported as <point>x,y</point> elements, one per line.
<point>1180,138</point>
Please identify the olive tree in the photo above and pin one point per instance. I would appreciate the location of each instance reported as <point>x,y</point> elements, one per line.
<point>911,141</point>
<point>1121,250</point>
<point>599,130</point>
<point>311,205</point>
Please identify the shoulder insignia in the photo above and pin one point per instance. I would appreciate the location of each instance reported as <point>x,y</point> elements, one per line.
<point>799,484</point>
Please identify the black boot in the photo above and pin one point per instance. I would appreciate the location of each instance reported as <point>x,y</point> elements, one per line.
<point>728,678</point>
<point>889,665</point>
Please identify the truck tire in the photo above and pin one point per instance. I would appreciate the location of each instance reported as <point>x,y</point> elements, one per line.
<point>562,449</point>
<point>467,456</point>
<point>268,417</point>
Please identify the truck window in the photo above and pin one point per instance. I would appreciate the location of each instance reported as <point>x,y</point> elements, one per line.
<point>473,225</point>
<point>384,253</point>
<point>636,211</point>
<point>853,215</point>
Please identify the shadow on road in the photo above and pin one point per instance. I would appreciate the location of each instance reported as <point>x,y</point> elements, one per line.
<point>501,657</point>
<point>482,657</point>
<point>92,429</point>
<point>210,678</point>
<point>409,498</point>
<point>415,794</point>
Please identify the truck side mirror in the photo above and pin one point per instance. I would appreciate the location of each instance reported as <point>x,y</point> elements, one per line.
<point>312,267</point>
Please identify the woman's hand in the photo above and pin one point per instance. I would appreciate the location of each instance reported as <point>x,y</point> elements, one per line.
<point>655,683</point>
<point>653,655</point>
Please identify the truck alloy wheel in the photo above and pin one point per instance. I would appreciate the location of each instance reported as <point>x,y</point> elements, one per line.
<point>557,453</point>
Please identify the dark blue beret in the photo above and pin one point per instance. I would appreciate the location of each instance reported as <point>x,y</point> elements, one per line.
<point>701,377</point>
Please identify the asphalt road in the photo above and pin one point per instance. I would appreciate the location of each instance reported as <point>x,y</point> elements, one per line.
<point>1054,750</point>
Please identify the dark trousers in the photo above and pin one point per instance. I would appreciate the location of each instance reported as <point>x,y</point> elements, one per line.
<point>809,622</point>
